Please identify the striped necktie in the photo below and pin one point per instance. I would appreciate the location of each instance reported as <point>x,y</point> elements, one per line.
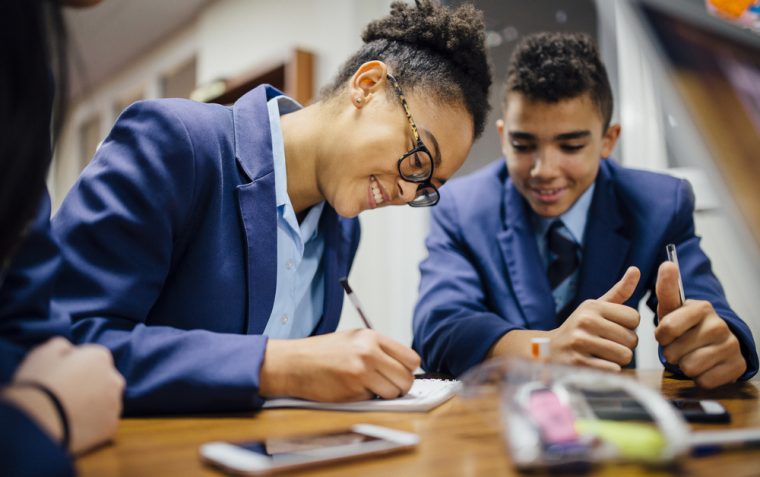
<point>563,265</point>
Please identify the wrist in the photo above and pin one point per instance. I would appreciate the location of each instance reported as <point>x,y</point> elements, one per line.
<point>515,343</point>
<point>274,377</point>
<point>39,407</point>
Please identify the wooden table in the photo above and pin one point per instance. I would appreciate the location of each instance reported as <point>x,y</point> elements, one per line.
<point>455,440</point>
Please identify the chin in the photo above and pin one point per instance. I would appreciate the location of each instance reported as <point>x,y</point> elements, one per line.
<point>549,211</point>
<point>347,211</point>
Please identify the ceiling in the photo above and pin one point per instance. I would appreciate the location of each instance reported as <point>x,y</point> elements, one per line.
<point>108,36</point>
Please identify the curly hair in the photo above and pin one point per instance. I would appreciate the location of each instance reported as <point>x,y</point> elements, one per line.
<point>555,66</point>
<point>429,47</point>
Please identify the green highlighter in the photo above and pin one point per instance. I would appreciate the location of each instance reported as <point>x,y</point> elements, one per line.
<point>635,441</point>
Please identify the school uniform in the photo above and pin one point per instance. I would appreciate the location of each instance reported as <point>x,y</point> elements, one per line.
<point>170,247</point>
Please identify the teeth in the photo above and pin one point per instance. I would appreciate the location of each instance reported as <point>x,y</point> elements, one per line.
<point>376,192</point>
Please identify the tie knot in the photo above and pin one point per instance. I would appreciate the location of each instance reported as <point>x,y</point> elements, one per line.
<point>559,239</point>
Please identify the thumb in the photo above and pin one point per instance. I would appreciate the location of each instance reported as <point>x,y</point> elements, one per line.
<point>668,296</point>
<point>623,290</point>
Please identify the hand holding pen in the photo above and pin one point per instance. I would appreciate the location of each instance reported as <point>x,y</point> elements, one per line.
<point>670,292</point>
<point>337,367</point>
<point>692,335</point>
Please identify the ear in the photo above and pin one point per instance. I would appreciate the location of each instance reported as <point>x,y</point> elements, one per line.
<point>610,139</point>
<point>500,129</point>
<point>368,79</point>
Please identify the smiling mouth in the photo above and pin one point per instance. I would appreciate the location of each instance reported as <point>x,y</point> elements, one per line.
<point>547,194</point>
<point>377,194</point>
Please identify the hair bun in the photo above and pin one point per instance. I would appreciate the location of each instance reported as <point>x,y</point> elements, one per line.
<point>459,34</point>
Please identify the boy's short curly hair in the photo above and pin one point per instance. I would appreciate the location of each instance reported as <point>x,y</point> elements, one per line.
<point>431,49</point>
<point>552,67</point>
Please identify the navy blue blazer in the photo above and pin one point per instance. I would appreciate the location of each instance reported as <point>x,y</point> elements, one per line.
<point>27,450</point>
<point>25,317</point>
<point>484,276</point>
<point>25,322</point>
<point>169,242</point>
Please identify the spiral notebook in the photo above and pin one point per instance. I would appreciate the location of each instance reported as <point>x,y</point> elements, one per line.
<point>426,394</point>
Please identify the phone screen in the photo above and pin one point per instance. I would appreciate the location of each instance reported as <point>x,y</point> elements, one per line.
<point>286,448</point>
<point>688,405</point>
<point>616,405</point>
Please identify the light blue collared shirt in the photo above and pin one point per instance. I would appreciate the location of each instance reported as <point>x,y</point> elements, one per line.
<point>574,219</point>
<point>299,296</point>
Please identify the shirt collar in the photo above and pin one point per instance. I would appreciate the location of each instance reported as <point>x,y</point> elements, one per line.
<point>277,106</point>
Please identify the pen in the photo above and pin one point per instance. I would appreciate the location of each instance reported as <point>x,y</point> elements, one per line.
<point>670,249</point>
<point>355,301</point>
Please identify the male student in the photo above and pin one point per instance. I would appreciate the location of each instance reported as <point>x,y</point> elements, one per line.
<point>559,241</point>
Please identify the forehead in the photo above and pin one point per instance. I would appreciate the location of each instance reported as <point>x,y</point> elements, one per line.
<point>543,118</point>
<point>451,125</point>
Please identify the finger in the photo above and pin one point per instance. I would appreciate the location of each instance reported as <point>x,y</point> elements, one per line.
<point>617,333</point>
<point>396,373</point>
<point>403,354</point>
<point>700,360</point>
<point>613,352</point>
<point>601,364</point>
<point>57,345</point>
<point>594,346</point>
<point>666,288</point>
<point>709,331</point>
<point>623,290</point>
<point>680,321</point>
<point>723,373</point>
<point>92,352</point>
<point>379,385</point>
<point>680,347</point>
<point>623,315</point>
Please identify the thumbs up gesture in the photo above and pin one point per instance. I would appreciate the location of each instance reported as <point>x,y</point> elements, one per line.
<point>693,336</point>
<point>600,333</point>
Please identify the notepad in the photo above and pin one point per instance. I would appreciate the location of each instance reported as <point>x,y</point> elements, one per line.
<point>426,394</point>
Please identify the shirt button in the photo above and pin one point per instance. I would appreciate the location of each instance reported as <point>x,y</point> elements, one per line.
<point>284,319</point>
<point>290,264</point>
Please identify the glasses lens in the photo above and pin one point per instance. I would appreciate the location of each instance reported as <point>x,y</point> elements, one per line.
<point>427,196</point>
<point>417,166</point>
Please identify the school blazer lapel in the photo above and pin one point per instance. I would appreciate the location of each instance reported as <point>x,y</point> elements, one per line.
<point>526,274</point>
<point>606,244</point>
<point>257,202</point>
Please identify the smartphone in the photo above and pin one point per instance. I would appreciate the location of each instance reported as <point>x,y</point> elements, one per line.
<point>620,406</point>
<point>702,410</point>
<point>286,453</point>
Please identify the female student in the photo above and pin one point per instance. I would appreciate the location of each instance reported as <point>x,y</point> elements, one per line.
<point>55,398</point>
<point>203,244</point>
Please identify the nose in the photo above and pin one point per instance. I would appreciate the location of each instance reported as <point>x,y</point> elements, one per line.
<point>407,191</point>
<point>545,165</point>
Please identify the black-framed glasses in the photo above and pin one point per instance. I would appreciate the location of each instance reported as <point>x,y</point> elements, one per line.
<point>416,165</point>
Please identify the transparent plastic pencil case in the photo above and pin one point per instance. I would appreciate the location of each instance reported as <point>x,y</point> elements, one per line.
<point>556,417</point>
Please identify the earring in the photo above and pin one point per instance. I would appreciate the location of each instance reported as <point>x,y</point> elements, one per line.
<point>358,100</point>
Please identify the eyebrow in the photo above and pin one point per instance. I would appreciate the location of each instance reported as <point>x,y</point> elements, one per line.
<point>436,149</point>
<point>572,135</point>
<point>559,137</point>
<point>436,152</point>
